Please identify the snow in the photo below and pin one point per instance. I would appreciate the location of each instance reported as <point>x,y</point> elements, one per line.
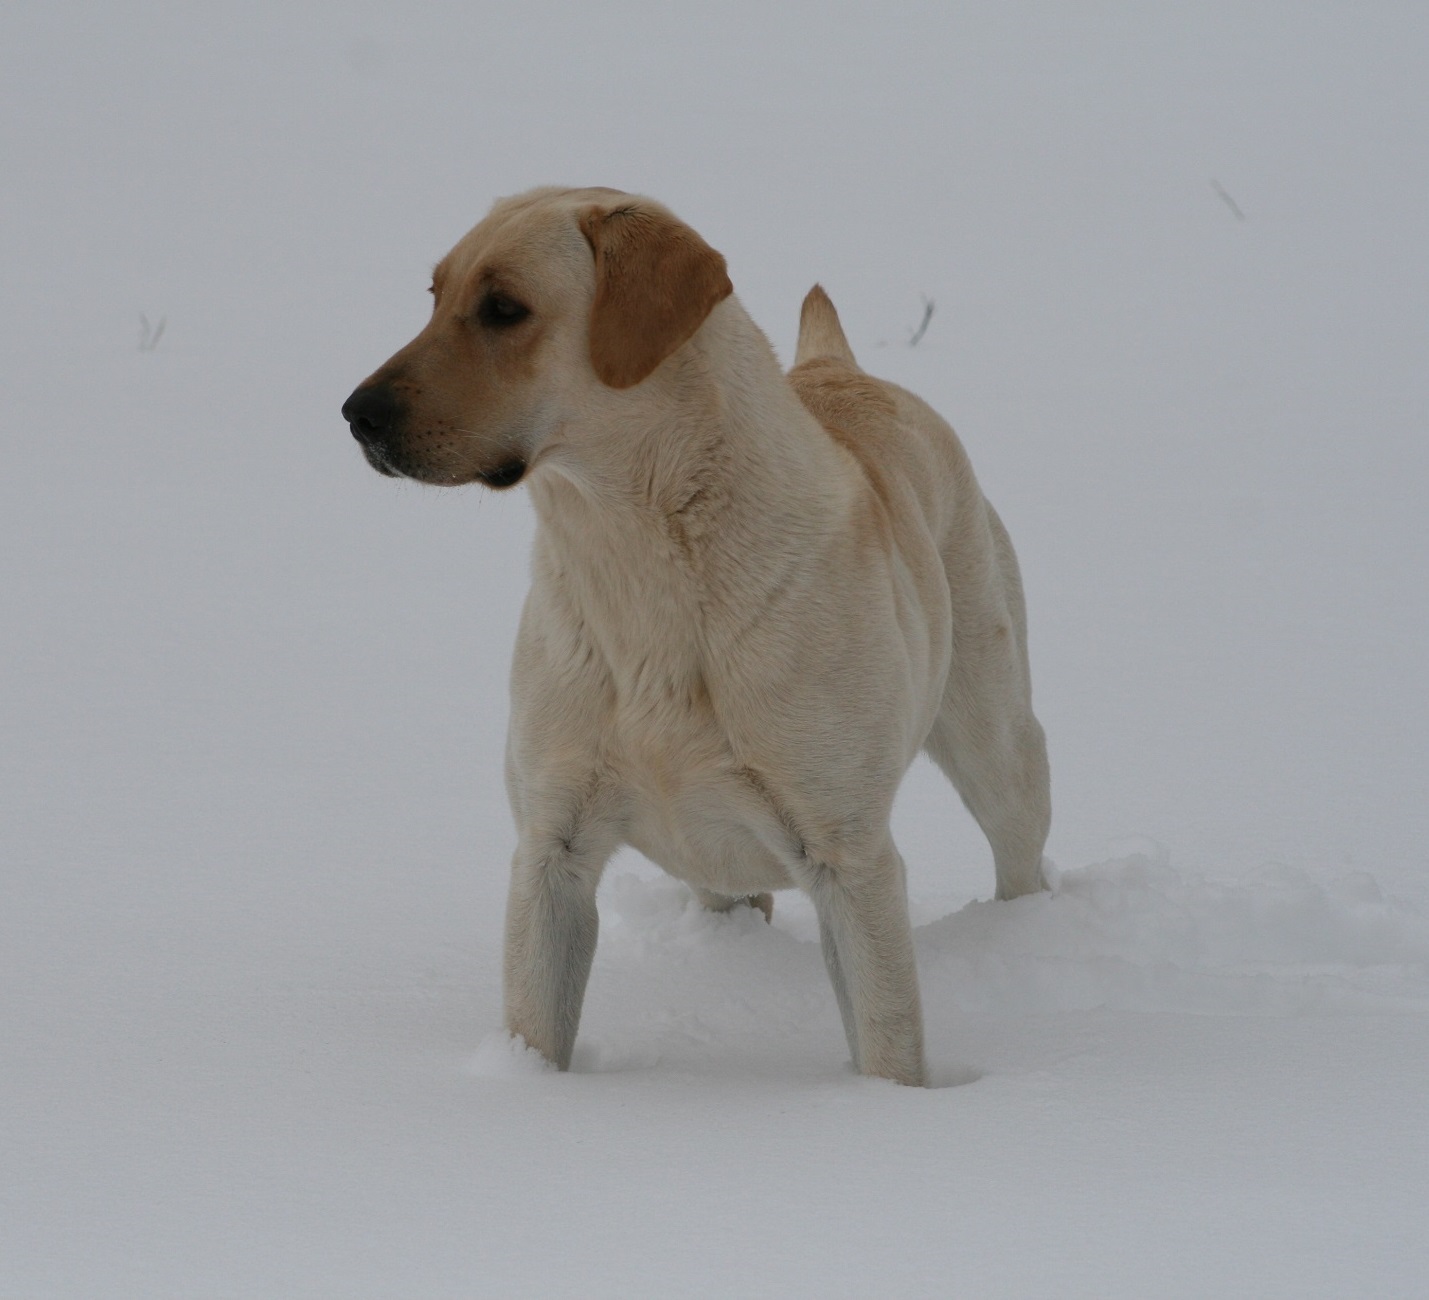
<point>252,696</point>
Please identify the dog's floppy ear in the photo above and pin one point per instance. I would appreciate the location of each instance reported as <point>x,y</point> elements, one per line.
<point>655,282</point>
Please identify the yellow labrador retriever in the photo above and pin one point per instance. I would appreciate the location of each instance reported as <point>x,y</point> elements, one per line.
<point>755,597</point>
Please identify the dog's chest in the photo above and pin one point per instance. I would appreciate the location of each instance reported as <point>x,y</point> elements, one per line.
<point>694,810</point>
<point>636,621</point>
<point>666,734</point>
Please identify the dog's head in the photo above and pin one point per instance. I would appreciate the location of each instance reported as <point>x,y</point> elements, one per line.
<point>557,299</point>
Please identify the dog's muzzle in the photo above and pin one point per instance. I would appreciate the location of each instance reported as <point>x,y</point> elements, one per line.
<point>372,413</point>
<point>377,417</point>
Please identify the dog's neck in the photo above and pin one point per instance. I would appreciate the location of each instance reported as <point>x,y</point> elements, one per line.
<point>702,487</point>
<point>717,431</point>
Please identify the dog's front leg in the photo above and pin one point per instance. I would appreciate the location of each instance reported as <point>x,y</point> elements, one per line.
<point>868,948</point>
<point>834,967</point>
<point>551,927</point>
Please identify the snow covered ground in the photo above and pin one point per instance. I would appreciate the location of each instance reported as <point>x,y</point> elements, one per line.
<point>252,696</point>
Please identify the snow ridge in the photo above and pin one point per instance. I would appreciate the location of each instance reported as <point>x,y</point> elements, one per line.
<point>1133,933</point>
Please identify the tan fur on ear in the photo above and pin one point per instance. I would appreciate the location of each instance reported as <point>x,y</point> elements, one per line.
<point>655,282</point>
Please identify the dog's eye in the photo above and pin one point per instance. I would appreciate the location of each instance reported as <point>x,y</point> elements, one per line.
<point>499,311</point>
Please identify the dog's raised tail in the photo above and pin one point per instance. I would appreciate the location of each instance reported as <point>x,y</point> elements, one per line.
<point>820,334</point>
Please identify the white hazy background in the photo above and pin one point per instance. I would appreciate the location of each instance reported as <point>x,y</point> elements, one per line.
<point>253,839</point>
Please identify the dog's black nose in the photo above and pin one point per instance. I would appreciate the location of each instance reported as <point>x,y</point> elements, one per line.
<point>372,413</point>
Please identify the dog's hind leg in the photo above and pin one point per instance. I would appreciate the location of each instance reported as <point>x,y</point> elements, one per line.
<point>985,737</point>
<point>713,902</point>
<point>999,767</point>
<point>991,747</point>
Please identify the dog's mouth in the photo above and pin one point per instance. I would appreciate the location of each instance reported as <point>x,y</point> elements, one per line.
<point>378,461</point>
<point>505,475</point>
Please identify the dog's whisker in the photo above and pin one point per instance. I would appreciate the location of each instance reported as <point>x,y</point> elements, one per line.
<point>479,437</point>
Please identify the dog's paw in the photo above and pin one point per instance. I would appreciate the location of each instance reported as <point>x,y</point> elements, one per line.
<point>713,902</point>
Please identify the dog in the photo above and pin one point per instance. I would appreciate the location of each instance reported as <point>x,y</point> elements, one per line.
<point>755,597</point>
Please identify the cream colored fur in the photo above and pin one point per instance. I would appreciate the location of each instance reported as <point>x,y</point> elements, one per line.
<point>754,598</point>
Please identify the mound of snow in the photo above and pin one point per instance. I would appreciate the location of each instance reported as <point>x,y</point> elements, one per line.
<point>676,984</point>
<point>1135,934</point>
<point>506,1056</point>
